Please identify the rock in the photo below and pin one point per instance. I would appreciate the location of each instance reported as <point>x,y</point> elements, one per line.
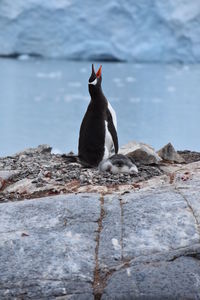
<point>47,247</point>
<point>140,153</point>
<point>132,38</point>
<point>2,183</point>
<point>159,280</point>
<point>154,221</point>
<point>140,245</point>
<point>24,186</point>
<point>5,176</point>
<point>144,156</point>
<point>169,153</point>
<point>189,156</point>
<point>41,149</point>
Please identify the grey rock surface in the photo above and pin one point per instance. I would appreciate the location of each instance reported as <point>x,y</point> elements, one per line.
<point>109,30</point>
<point>5,176</point>
<point>140,153</point>
<point>144,244</point>
<point>47,247</point>
<point>171,280</point>
<point>169,153</point>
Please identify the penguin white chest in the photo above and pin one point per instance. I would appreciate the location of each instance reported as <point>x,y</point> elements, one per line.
<point>108,144</point>
<point>113,114</point>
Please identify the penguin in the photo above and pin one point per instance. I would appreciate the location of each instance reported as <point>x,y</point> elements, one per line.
<point>118,163</point>
<point>98,132</point>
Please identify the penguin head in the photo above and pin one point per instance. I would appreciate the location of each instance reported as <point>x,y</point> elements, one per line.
<point>94,83</point>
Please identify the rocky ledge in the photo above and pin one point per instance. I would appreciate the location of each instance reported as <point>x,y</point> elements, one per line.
<point>36,172</point>
<point>133,237</point>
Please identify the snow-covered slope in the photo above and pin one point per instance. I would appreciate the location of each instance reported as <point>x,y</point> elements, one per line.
<point>134,30</point>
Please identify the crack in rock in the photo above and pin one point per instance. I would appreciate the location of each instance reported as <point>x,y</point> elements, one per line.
<point>192,255</point>
<point>191,209</point>
<point>101,275</point>
<point>98,283</point>
<point>168,256</point>
<point>121,224</point>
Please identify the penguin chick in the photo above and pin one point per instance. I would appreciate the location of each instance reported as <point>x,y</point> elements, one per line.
<point>118,163</point>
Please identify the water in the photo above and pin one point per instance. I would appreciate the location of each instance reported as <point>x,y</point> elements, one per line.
<point>44,101</point>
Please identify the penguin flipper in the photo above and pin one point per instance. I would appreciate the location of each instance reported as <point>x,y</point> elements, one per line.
<point>112,130</point>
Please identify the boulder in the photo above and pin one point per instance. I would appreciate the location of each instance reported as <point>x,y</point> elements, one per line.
<point>169,153</point>
<point>140,153</point>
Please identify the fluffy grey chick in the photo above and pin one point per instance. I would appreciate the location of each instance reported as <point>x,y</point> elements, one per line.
<point>118,163</point>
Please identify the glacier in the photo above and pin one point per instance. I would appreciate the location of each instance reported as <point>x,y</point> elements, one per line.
<point>129,30</point>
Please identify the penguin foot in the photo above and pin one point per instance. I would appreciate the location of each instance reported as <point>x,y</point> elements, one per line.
<point>118,163</point>
<point>70,158</point>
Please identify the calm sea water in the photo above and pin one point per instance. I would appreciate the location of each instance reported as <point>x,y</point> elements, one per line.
<point>43,101</point>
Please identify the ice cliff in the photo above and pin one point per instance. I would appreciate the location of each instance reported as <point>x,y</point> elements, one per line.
<point>130,30</point>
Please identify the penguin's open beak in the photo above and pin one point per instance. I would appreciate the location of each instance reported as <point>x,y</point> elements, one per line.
<point>98,73</point>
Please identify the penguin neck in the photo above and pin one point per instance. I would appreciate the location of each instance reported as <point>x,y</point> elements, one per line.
<point>97,96</point>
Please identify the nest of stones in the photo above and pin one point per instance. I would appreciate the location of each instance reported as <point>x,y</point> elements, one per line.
<point>38,172</point>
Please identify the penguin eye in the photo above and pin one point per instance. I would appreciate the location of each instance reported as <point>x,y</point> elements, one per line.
<point>94,82</point>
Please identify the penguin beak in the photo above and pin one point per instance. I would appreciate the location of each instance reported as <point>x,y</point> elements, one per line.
<point>98,73</point>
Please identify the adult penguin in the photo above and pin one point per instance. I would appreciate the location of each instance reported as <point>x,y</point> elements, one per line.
<point>98,133</point>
